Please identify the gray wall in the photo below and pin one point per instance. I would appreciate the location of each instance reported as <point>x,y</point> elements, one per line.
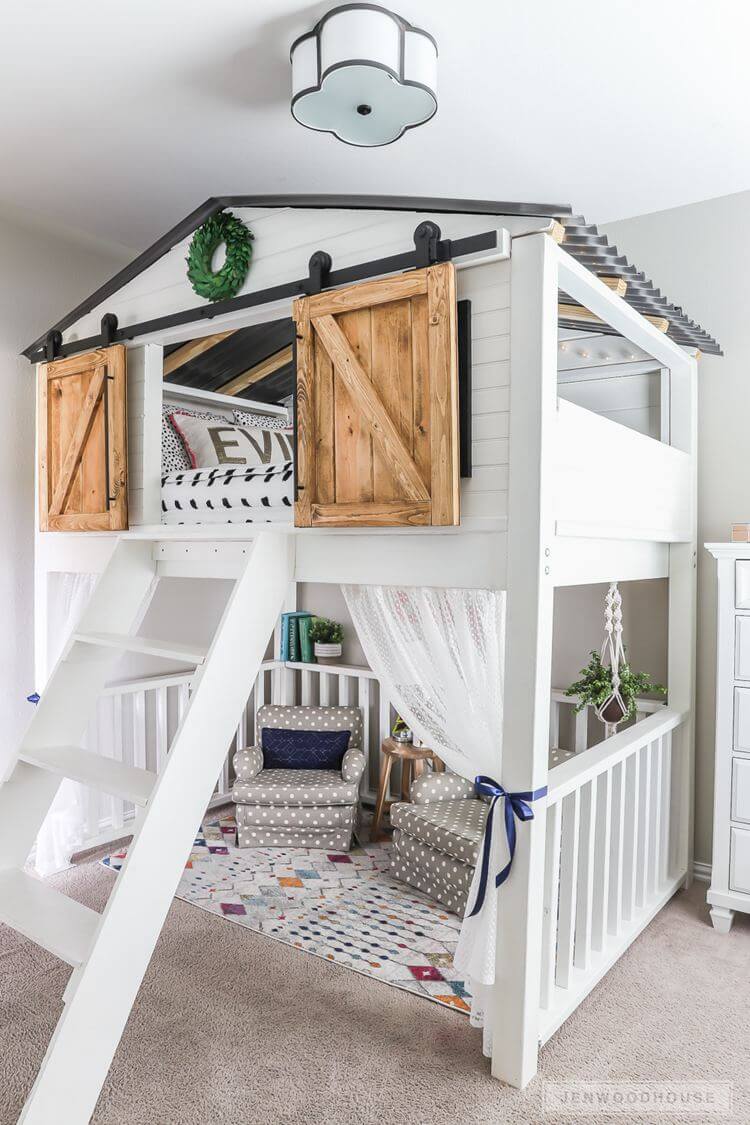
<point>42,275</point>
<point>699,256</point>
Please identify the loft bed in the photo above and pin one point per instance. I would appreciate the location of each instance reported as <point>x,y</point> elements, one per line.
<point>507,500</point>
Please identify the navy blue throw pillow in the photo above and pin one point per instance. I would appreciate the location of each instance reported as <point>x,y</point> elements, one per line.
<point>303,749</point>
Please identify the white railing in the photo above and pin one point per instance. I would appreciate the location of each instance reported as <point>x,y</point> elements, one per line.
<point>613,859</point>
<point>136,721</point>
<point>574,727</point>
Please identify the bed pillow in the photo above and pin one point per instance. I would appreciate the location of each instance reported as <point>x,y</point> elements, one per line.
<point>174,456</point>
<point>254,421</point>
<point>211,442</point>
<point>303,749</point>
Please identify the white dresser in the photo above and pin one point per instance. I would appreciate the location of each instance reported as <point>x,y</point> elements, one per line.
<point>730,873</point>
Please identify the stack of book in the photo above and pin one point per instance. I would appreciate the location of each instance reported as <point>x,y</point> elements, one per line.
<point>295,637</point>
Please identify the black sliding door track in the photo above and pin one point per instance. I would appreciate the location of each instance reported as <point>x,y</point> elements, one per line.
<point>429,249</point>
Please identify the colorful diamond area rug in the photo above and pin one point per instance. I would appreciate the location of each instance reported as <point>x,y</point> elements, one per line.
<point>343,907</point>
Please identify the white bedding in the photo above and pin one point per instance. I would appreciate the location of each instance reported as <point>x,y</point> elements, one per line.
<point>229,494</point>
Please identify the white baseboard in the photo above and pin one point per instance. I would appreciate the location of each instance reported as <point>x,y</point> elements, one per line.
<point>702,871</point>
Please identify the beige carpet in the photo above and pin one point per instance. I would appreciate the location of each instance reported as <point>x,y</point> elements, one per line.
<point>230,1027</point>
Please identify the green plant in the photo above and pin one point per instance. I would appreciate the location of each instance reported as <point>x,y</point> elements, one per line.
<point>326,632</point>
<point>400,726</point>
<point>595,685</point>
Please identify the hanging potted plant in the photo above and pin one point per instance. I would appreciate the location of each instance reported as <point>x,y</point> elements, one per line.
<point>326,636</point>
<point>612,688</point>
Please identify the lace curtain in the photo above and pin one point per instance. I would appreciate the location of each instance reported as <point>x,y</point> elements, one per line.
<point>63,828</point>
<point>439,654</point>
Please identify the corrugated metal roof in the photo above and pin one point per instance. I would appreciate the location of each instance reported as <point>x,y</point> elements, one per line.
<point>593,250</point>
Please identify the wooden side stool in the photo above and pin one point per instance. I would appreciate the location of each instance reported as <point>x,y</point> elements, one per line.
<point>413,759</point>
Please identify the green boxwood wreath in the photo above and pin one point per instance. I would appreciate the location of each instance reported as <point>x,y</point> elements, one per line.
<point>226,282</point>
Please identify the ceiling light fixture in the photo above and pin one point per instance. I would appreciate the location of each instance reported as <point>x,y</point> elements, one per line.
<point>364,74</point>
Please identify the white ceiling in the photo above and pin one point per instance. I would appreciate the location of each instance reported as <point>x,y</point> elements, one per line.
<point>118,119</point>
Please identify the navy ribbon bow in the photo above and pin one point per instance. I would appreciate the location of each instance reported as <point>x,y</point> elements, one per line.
<point>516,805</point>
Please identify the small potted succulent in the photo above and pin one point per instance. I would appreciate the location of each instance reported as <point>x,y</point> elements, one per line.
<point>401,731</point>
<point>326,636</point>
<point>612,705</point>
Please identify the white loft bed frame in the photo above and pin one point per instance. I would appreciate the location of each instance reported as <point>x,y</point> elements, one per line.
<point>567,915</point>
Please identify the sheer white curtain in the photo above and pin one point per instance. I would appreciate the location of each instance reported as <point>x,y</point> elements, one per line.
<point>439,654</point>
<point>63,828</point>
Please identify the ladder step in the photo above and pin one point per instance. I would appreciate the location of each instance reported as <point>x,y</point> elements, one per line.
<point>59,924</point>
<point>104,774</point>
<point>170,650</point>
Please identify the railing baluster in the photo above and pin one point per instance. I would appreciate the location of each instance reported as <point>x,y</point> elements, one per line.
<point>161,732</point>
<point>554,725</point>
<point>183,698</point>
<point>602,861</point>
<point>325,689</point>
<point>307,687</point>
<point>345,691</point>
<point>551,899</point>
<point>645,815</point>
<point>630,850</point>
<point>364,700</point>
<point>568,887</point>
<point>657,777</point>
<point>581,736</point>
<point>585,889</point>
<point>666,816</point>
<point>118,805</point>
<point>384,730</point>
<point>618,844</point>
<point>260,701</point>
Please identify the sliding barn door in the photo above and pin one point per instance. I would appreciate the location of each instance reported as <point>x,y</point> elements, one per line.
<point>83,479</point>
<point>377,403</point>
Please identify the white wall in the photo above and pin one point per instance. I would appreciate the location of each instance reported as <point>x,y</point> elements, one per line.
<point>325,600</point>
<point>699,256</point>
<point>42,275</point>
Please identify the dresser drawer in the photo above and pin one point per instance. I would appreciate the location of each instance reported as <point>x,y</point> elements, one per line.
<point>739,860</point>
<point>742,647</point>
<point>741,790</point>
<point>742,584</point>
<point>742,719</point>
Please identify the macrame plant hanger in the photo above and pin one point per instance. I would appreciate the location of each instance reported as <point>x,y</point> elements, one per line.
<point>613,710</point>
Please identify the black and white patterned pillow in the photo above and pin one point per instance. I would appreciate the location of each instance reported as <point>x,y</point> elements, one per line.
<point>261,421</point>
<point>174,456</point>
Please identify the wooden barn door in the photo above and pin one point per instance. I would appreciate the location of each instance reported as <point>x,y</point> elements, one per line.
<point>377,403</point>
<point>83,478</point>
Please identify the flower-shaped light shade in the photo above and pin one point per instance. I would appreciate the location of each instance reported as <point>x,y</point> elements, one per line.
<point>364,74</point>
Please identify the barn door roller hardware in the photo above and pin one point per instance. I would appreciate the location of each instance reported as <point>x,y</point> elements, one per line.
<point>429,249</point>
<point>320,268</point>
<point>108,328</point>
<point>52,345</point>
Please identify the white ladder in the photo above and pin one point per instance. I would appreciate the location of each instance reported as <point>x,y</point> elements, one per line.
<point>110,952</point>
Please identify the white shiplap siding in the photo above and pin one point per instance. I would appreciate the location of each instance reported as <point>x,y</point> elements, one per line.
<point>484,497</point>
<point>284,241</point>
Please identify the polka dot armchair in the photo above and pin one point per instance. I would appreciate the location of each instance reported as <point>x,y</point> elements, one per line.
<point>305,808</point>
<point>437,835</point>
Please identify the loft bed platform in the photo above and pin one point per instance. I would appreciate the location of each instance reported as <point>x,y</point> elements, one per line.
<point>584,450</point>
<point>496,399</point>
